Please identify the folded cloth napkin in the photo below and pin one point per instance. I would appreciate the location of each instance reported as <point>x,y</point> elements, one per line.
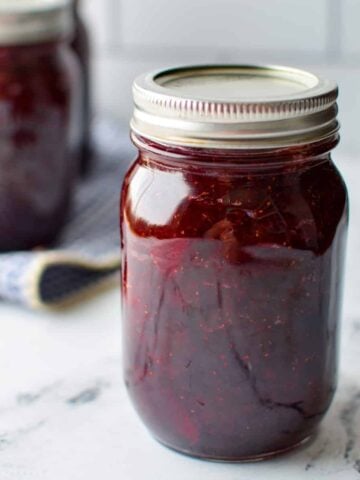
<point>87,255</point>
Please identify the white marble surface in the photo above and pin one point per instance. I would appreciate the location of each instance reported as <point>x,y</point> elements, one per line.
<point>64,413</point>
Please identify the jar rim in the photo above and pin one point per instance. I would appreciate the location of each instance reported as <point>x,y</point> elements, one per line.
<point>234,106</point>
<point>33,21</point>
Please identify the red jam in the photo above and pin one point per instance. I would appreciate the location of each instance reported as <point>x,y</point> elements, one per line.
<point>38,142</point>
<point>81,46</point>
<point>232,268</point>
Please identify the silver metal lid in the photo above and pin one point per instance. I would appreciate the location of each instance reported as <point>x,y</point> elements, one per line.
<point>32,21</point>
<point>234,106</point>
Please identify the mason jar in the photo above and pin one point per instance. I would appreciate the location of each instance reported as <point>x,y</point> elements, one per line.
<point>233,224</point>
<point>39,121</point>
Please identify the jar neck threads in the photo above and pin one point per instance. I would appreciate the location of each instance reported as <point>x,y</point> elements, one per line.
<point>289,158</point>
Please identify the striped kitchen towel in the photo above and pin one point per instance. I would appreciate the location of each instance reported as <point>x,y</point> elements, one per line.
<point>87,255</point>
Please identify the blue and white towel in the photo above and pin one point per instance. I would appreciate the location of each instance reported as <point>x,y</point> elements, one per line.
<point>87,255</point>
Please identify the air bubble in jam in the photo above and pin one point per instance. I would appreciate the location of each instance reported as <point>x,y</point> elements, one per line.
<point>231,306</point>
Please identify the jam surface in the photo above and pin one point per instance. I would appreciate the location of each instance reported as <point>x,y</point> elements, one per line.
<point>232,268</point>
<point>38,142</point>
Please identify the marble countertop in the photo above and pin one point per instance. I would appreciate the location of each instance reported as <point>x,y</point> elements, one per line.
<point>65,415</point>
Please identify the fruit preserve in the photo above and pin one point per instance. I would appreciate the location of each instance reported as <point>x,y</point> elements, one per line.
<point>81,46</point>
<point>39,82</point>
<point>233,222</point>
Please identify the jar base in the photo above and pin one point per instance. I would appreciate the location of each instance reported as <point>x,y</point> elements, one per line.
<point>245,459</point>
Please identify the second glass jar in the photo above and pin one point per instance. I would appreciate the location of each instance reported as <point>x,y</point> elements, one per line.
<point>39,122</point>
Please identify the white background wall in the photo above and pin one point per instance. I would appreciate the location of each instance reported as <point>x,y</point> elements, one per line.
<point>133,36</point>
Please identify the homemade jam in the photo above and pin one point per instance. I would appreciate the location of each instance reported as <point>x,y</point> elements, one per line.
<point>39,141</point>
<point>81,46</point>
<point>233,225</point>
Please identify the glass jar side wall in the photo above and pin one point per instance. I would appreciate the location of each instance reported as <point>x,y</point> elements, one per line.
<point>39,142</point>
<point>231,297</point>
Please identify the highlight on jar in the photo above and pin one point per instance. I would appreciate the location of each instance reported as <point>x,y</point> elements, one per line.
<point>234,221</point>
<point>81,45</point>
<point>44,119</point>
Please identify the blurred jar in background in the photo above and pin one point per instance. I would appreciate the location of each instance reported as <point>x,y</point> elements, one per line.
<point>81,46</point>
<point>39,121</point>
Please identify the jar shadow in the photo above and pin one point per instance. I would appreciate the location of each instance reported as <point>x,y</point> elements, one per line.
<point>336,446</point>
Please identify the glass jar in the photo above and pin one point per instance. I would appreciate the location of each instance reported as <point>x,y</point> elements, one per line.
<point>39,133</point>
<point>233,223</point>
<point>81,46</point>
